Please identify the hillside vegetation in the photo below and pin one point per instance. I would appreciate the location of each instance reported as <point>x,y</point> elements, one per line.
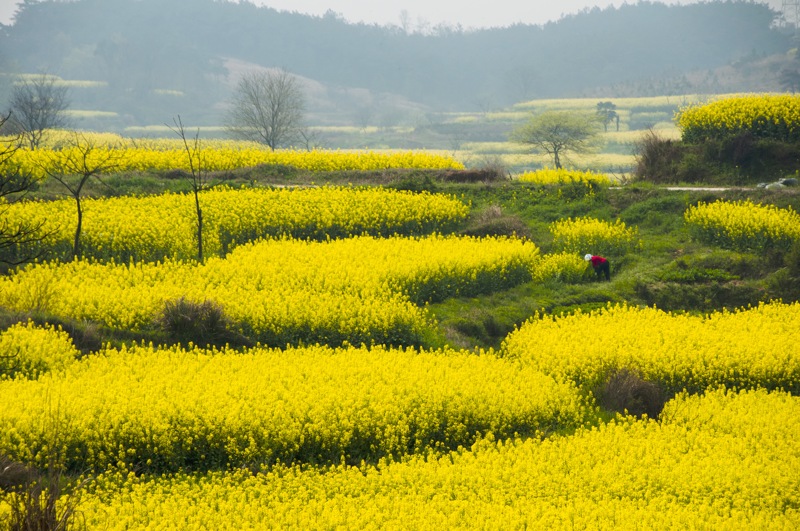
<point>140,62</point>
<point>405,346</point>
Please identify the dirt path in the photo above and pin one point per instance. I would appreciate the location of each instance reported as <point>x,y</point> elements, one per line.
<point>706,188</point>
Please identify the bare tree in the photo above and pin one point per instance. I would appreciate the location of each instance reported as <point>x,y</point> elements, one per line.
<point>363,115</point>
<point>267,107</point>
<point>405,21</point>
<point>522,82</point>
<point>310,139</point>
<point>36,105</point>
<point>456,139</point>
<point>789,79</point>
<point>16,237</point>
<point>198,175</point>
<point>73,164</point>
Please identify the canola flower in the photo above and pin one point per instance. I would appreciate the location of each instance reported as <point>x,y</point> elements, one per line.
<point>28,351</point>
<point>164,226</point>
<point>755,347</point>
<point>547,176</point>
<point>564,267</point>
<point>169,409</point>
<point>56,138</point>
<point>723,460</point>
<point>149,156</point>
<point>743,225</point>
<point>762,115</point>
<point>596,236</point>
<point>356,290</point>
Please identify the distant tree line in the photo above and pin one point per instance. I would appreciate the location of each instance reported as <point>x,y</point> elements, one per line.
<point>159,57</point>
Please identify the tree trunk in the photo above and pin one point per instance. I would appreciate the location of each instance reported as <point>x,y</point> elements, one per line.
<point>76,244</point>
<point>199,226</point>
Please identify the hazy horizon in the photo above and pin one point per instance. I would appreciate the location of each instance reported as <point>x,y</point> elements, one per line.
<point>425,13</point>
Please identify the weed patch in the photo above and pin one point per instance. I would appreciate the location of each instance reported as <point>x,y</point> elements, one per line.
<point>494,222</point>
<point>626,392</point>
<point>200,323</point>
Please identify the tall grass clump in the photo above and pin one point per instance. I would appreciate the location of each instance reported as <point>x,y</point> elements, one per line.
<point>197,323</point>
<point>494,222</point>
<point>657,158</point>
<point>44,498</point>
<point>625,391</point>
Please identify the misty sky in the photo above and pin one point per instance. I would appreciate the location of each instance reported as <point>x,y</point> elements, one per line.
<point>451,12</point>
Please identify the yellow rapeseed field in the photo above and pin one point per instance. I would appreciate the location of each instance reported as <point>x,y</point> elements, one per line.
<point>28,351</point>
<point>340,417</point>
<point>744,225</point>
<point>168,410</point>
<point>755,347</point>
<point>724,460</point>
<point>595,236</point>
<point>168,155</point>
<point>775,116</point>
<point>562,176</point>
<point>164,226</point>
<point>563,266</point>
<point>361,289</point>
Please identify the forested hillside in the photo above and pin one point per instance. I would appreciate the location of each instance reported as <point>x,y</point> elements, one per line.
<point>155,58</point>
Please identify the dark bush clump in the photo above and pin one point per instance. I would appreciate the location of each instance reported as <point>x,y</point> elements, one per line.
<point>494,222</point>
<point>200,323</point>
<point>624,391</point>
<point>14,475</point>
<point>657,159</point>
<point>35,500</point>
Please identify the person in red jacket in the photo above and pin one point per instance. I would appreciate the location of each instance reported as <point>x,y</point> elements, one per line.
<point>600,265</point>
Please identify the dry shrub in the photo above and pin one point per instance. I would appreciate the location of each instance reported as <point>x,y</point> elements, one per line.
<point>493,222</point>
<point>657,159</point>
<point>624,391</point>
<point>200,323</point>
<point>486,174</point>
<point>14,475</point>
<point>35,500</point>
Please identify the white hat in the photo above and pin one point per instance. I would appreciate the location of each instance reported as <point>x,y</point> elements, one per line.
<point>587,257</point>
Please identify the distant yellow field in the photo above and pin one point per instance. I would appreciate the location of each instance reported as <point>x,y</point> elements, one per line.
<point>79,113</point>
<point>621,103</point>
<point>616,152</point>
<point>76,83</point>
<point>667,131</point>
<point>164,130</point>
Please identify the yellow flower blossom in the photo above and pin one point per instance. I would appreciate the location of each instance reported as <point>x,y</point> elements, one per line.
<point>775,116</point>
<point>719,461</point>
<point>562,176</point>
<point>744,225</point>
<point>595,236</point>
<point>164,226</point>
<point>756,347</point>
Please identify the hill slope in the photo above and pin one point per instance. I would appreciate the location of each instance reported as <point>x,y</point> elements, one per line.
<point>156,58</point>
